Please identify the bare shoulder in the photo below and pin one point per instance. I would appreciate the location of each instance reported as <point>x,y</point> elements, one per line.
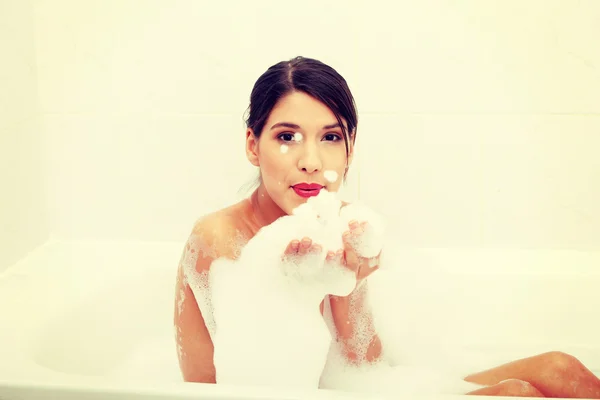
<point>218,234</point>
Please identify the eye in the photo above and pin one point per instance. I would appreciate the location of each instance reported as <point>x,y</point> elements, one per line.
<point>334,137</point>
<point>286,137</point>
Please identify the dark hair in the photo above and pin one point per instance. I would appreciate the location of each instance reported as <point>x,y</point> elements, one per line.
<point>306,75</point>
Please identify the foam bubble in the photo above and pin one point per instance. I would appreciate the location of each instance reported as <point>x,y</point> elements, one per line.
<point>195,248</point>
<point>280,300</point>
<point>262,309</point>
<point>331,176</point>
<point>298,137</point>
<point>382,378</point>
<point>180,301</point>
<point>260,318</point>
<point>284,148</point>
<point>370,243</point>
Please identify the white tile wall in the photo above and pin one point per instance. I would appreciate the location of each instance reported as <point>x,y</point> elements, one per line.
<point>541,182</point>
<point>423,172</point>
<point>147,177</point>
<point>23,213</point>
<point>479,56</point>
<point>478,119</point>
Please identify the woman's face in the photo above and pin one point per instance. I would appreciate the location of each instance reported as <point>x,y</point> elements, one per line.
<point>300,151</point>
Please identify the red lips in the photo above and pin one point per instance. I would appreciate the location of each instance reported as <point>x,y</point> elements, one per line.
<point>307,189</point>
<point>308,186</point>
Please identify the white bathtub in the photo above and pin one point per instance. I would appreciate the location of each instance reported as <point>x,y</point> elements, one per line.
<point>93,320</point>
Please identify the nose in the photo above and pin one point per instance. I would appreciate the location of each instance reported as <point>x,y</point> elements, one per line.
<point>310,159</point>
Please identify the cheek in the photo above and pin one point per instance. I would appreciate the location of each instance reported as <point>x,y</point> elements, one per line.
<point>333,171</point>
<point>275,163</point>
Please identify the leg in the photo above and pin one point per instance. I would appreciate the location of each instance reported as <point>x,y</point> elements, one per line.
<point>509,388</point>
<point>554,374</point>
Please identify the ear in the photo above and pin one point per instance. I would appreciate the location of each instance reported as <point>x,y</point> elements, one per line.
<point>252,147</point>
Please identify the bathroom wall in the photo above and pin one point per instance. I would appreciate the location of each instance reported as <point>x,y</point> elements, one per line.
<point>479,120</point>
<point>23,213</point>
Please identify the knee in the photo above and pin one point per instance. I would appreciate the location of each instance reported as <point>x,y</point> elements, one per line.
<point>519,388</point>
<point>558,364</point>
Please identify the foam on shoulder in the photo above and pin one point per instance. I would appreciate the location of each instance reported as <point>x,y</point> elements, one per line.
<point>197,247</point>
<point>264,314</point>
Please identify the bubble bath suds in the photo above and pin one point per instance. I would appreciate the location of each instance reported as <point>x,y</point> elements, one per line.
<point>263,315</point>
<point>331,176</point>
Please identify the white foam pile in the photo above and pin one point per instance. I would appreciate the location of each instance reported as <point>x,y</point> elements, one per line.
<point>262,310</point>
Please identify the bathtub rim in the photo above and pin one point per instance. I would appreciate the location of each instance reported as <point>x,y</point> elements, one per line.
<point>51,386</point>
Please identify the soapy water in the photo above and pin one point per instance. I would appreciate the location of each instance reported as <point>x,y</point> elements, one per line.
<point>262,311</point>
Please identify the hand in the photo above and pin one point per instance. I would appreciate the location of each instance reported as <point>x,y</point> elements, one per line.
<point>362,266</point>
<point>299,248</point>
<point>304,262</point>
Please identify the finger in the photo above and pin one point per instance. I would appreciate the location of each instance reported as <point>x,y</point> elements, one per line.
<point>339,256</point>
<point>292,247</point>
<point>315,249</point>
<point>304,246</point>
<point>330,256</point>
<point>346,238</point>
<point>353,224</point>
<point>357,232</point>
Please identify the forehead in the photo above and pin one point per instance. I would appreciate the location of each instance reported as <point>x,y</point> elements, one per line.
<point>303,110</point>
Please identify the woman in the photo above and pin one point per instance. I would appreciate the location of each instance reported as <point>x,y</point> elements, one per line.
<point>301,131</point>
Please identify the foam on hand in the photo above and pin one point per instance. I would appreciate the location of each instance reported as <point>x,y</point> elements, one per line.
<point>317,219</point>
<point>331,277</point>
<point>265,307</point>
<point>371,241</point>
<point>263,313</point>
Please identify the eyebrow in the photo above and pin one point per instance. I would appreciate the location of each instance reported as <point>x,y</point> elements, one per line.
<point>294,126</point>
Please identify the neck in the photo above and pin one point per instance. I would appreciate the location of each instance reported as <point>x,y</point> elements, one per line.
<point>264,209</point>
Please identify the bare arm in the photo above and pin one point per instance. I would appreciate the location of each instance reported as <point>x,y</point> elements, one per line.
<point>355,328</point>
<point>195,348</point>
<point>194,345</point>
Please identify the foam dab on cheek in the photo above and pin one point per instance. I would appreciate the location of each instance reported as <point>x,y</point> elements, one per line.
<point>298,137</point>
<point>284,148</point>
<point>331,176</point>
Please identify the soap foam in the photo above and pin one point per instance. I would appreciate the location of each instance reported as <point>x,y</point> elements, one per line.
<point>284,148</point>
<point>298,137</point>
<point>263,313</point>
<point>331,176</point>
<point>370,243</point>
<point>196,247</point>
<point>274,301</point>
